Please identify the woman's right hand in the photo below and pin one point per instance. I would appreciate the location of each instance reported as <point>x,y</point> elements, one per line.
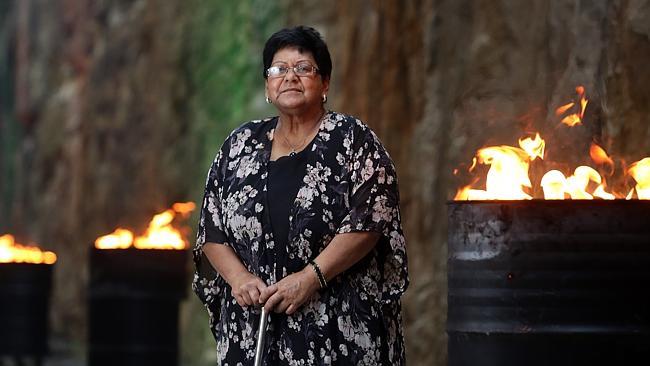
<point>246,288</point>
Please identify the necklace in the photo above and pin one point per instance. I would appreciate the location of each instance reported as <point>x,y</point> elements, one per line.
<point>295,149</point>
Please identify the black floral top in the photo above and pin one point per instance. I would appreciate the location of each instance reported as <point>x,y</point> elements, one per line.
<point>349,185</point>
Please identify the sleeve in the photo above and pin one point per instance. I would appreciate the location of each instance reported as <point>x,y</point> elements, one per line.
<point>211,210</point>
<point>374,206</point>
<point>207,283</point>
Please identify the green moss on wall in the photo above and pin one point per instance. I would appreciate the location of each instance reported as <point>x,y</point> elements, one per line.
<point>224,47</point>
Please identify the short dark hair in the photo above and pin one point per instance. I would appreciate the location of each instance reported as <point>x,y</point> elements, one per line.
<point>304,39</point>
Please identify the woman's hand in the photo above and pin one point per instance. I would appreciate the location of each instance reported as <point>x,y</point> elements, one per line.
<point>290,293</point>
<point>246,288</point>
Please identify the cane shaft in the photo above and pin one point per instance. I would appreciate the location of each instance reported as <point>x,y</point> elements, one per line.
<point>261,337</point>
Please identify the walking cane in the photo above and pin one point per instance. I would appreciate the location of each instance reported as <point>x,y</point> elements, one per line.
<point>261,335</point>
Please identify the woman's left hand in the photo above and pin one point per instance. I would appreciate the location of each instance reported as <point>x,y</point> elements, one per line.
<point>291,292</point>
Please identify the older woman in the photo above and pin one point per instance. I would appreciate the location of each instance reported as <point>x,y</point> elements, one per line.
<point>301,216</point>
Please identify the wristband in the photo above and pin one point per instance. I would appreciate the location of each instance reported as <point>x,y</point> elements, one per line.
<point>319,274</point>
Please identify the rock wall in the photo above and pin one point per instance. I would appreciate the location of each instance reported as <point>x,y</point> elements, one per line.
<point>104,139</point>
<point>438,79</point>
<point>106,104</point>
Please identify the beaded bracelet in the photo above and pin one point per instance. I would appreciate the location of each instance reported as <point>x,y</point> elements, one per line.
<point>319,274</point>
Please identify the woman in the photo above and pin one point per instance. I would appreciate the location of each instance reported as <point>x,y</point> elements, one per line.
<point>301,216</point>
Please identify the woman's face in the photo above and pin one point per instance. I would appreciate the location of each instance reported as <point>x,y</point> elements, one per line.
<point>291,93</point>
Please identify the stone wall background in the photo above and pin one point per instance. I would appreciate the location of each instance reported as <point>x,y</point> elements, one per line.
<point>438,79</point>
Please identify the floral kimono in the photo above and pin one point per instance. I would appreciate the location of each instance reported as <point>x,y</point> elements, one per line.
<point>349,185</point>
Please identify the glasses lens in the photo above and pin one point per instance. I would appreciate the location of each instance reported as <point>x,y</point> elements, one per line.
<point>275,71</point>
<point>303,69</point>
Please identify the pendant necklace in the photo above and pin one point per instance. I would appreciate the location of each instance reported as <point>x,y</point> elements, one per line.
<point>294,149</point>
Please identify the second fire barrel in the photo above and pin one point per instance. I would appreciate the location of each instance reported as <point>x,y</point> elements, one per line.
<point>24,306</point>
<point>549,283</point>
<point>134,298</point>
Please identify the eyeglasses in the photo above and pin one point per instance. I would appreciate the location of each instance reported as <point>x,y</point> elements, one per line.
<point>300,70</point>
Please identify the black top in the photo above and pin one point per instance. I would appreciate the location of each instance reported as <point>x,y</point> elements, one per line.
<point>284,181</point>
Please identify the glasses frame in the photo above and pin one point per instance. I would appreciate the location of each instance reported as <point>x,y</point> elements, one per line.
<point>314,70</point>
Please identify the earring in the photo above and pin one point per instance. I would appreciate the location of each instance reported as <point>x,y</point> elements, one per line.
<point>268,100</point>
<point>324,98</point>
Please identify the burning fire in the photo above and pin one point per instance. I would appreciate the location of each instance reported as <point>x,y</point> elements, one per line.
<point>640,171</point>
<point>575,118</point>
<point>159,235</point>
<point>11,252</point>
<point>508,175</point>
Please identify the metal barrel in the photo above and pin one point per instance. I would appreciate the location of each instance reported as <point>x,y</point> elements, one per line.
<point>548,282</point>
<point>24,305</point>
<point>133,307</point>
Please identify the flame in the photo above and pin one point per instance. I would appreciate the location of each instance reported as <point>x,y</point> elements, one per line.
<point>554,185</point>
<point>583,106</point>
<point>160,231</point>
<point>599,156</point>
<point>183,208</point>
<point>507,176</point>
<point>508,179</point>
<point>11,252</point>
<point>560,111</point>
<point>119,239</point>
<point>159,235</point>
<point>574,119</point>
<point>640,171</point>
<point>600,193</point>
<point>576,185</point>
<point>471,168</point>
<point>534,147</point>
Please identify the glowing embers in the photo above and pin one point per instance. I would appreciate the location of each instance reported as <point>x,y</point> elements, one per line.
<point>12,252</point>
<point>159,235</point>
<point>508,176</point>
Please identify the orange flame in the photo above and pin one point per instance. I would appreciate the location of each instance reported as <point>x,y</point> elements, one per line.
<point>572,120</point>
<point>183,208</point>
<point>560,111</point>
<point>507,177</point>
<point>159,235</point>
<point>575,118</point>
<point>119,239</point>
<point>640,171</point>
<point>11,252</point>
<point>599,156</point>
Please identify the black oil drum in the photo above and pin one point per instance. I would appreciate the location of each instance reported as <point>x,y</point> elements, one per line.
<point>549,283</point>
<point>24,305</point>
<point>134,298</point>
